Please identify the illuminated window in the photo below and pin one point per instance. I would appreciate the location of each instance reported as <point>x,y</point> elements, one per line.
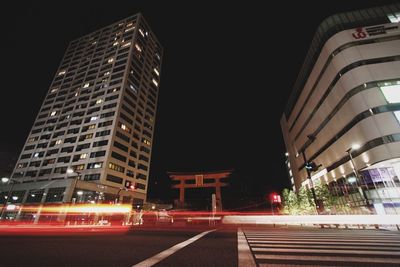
<point>76,94</point>
<point>115,43</point>
<point>156,71</point>
<point>129,29</point>
<point>62,72</point>
<point>397,114</point>
<point>116,167</point>
<point>22,165</point>
<point>32,139</point>
<point>141,32</point>
<point>79,167</point>
<point>126,44</point>
<point>133,88</point>
<point>391,92</point>
<point>54,90</point>
<point>86,85</point>
<point>99,101</point>
<point>129,24</point>
<point>110,60</point>
<point>106,73</point>
<point>83,156</point>
<point>91,126</point>
<point>93,118</point>
<point>155,82</point>
<point>124,127</point>
<point>138,48</point>
<point>158,56</point>
<point>95,165</point>
<point>36,155</point>
<point>147,142</point>
<point>53,113</point>
<point>58,142</point>
<point>394,18</point>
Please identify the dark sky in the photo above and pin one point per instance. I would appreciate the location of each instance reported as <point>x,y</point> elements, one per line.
<point>227,72</point>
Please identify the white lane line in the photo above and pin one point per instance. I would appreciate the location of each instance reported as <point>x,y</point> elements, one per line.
<point>328,251</point>
<point>168,252</point>
<point>299,258</point>
<point>245,257</point>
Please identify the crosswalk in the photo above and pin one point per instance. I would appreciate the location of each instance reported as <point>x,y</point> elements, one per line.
<point>323,247</point>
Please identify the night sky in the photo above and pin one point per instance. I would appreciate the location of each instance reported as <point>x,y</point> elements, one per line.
<point>227,72</point>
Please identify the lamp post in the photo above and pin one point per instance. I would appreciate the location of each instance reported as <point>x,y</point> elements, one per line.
<point>78,177</point>
<point>309,169</point>
<point>7,180</point>
<point>353,166</point>
<point>310,181</point>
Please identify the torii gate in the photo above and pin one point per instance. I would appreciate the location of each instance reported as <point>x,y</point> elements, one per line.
<point>202,180</point>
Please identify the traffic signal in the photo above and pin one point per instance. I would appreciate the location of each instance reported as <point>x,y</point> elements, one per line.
<point>311,166</point>
<point>129,185</point>
<point>275,198</point>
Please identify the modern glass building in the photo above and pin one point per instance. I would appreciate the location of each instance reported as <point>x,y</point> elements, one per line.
<point>92,138</point>
<point>342,119</point>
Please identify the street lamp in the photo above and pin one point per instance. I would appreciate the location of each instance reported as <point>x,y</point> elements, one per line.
<point>78,177</point>
<point>129,186</point>
<point>353,166</point>
<point>8,180</point>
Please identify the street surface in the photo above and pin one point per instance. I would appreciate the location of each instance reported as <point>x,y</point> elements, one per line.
<point>203,246</point>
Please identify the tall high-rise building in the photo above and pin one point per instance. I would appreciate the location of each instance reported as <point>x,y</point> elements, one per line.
<point>92,138</point>
<point>341,125</point>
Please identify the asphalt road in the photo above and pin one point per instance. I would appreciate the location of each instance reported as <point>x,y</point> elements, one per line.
<point>217,248</point>
<point>259,246</point>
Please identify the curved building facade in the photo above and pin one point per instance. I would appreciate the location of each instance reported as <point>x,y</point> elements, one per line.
<point>343,115</point>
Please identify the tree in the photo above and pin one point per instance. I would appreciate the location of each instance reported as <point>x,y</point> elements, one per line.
<point>330,201</point>
<point>290,203</point>
<point>306,202</point>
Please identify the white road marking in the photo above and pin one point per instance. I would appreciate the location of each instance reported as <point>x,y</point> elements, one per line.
<point>251,242</point>
<point>323,239</point>
<point>299,258</point>
<point>315,248</point>
<point>328,251</point>
<point>344,246</point>
<point>168,252</point>
<point>245,257</point>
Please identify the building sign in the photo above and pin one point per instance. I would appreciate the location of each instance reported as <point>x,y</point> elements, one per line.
<point>378,175</point>
<point>361,33</point>
<point>199,179</point>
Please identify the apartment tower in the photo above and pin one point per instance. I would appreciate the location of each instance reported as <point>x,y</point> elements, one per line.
<point>91,141</point>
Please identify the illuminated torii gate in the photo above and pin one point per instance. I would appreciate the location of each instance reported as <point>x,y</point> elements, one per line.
<point>200,180</point>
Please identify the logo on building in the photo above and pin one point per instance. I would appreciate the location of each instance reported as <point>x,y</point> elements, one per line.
<point>362,33</point>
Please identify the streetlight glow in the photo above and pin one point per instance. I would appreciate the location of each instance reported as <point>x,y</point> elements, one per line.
<point>355,146</point>
<point>79,193</point>
<point>5,179</point>
<point>70,170</point>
